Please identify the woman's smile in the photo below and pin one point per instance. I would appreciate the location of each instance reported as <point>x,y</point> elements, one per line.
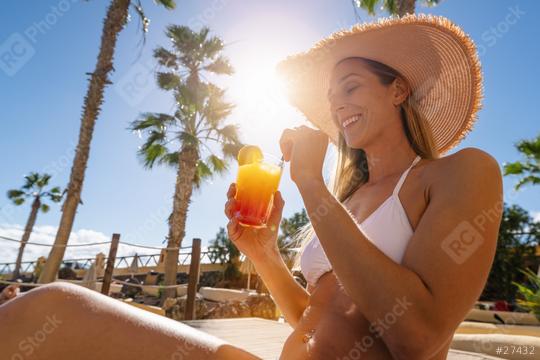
<point>351,120</point>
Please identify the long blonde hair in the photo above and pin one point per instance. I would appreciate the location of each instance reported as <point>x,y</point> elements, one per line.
<point>351,166</point>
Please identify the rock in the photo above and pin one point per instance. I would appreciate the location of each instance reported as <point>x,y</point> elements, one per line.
<point>256,305</point>
<point>175,308</point>
<point>131,291</point>
<point>229,309</point>
<point>67,273</point>
<point>169,303</point>
<point>262,305</point>
<point>210,278</point>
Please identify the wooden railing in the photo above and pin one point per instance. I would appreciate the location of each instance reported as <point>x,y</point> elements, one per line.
<point>145,260</point>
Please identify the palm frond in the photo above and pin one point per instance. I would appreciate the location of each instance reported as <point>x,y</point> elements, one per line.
<point>56,190</point>
<point>31,180</point>
<point>167,80</point>
<point>202,172</point>
<point>220,66</point>
<point>168,4</point>
<point>152,152</point>
<point>390,6</point>
<point>186,101</point>
<point>431,3</point>
<point>155,120</point>
<point>211,48</point>
<point>14,194</point>
<point>170,159</point>
<point>230,150</point>
<point>229,133</point>
<point>55,198</point>
<point>218,165</point>
<point>166,58</point>
<point>530,179</point>
<point>44,208</point>
<point>184,41</point>
<point>43,180</point>
<point>368,5</point>
<point>18,201</point>
<point>514,168</point>
<point>188,139</point>
<point>216,109</point>
<point>530,148</point>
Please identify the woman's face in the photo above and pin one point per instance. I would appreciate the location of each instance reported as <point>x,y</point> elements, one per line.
<point>362,107</point>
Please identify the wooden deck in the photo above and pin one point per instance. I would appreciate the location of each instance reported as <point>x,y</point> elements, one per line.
<point>265,338</point>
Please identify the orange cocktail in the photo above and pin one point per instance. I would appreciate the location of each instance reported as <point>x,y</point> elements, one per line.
<point>257,181</point>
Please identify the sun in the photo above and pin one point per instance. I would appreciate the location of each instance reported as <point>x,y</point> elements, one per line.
<point>255,86</point>
<point>259,94</point>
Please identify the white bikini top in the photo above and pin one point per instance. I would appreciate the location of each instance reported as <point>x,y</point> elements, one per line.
<point>387,228</point>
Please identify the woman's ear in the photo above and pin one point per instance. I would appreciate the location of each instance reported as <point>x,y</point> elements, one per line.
<point>401,91</point>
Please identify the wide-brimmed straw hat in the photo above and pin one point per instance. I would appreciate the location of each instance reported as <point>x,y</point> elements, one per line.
<point>434,55</point>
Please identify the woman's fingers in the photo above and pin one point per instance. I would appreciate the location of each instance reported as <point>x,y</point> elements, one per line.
<point>230,207</point>
<point>277,210</point>
<point>286,143</point>
<point>233,229</point>
<point>232,191</point>
<point>231,203</point>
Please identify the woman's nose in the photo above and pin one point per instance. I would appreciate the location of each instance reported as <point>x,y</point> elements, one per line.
<point>338,109</point>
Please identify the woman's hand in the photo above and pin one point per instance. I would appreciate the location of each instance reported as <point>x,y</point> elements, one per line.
<point>255,243</point>
<point>305,148</point>
<point>9,293</point>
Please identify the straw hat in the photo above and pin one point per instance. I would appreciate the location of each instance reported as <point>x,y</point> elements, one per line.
<point>437,58</point>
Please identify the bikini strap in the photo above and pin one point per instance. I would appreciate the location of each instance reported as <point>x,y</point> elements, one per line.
<point>404,175</point>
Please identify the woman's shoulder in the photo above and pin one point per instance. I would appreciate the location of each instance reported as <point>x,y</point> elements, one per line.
<point>469,158</point>
<point>466,165</point>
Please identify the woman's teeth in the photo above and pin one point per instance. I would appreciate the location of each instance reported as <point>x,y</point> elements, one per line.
<point>351,120</point>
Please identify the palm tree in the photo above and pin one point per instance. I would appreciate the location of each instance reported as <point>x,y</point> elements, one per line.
<point>529,170</point>
<point>115,19</point>
<point>34,187</point>
<point>181,139</point>
<point>287,241</point>
<point>394,7</point>
<point>223,250</point>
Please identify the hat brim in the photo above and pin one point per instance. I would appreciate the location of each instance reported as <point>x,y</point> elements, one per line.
<point>436,57</point>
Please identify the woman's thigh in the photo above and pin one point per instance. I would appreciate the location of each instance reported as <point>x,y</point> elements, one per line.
<point>64,321</point>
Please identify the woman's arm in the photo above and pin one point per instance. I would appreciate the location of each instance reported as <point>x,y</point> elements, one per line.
<point>415,306</point>
<point>260,246</point>
<point>290,296</point>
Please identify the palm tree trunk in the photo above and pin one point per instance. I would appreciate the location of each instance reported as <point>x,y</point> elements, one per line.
<point>187,158</point>
<point>405,7</point>
<point>26,236</point>
<point>115,20</point>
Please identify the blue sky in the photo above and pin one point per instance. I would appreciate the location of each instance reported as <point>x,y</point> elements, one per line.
<point>41,97</point>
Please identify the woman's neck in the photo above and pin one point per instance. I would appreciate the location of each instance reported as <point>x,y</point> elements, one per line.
<point>388,156</point>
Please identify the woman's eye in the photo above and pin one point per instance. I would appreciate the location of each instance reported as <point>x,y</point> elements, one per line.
<point>350,90</point>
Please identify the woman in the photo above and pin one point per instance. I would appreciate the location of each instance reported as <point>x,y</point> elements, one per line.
<point>404,243</point>
<point>395,255</point>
